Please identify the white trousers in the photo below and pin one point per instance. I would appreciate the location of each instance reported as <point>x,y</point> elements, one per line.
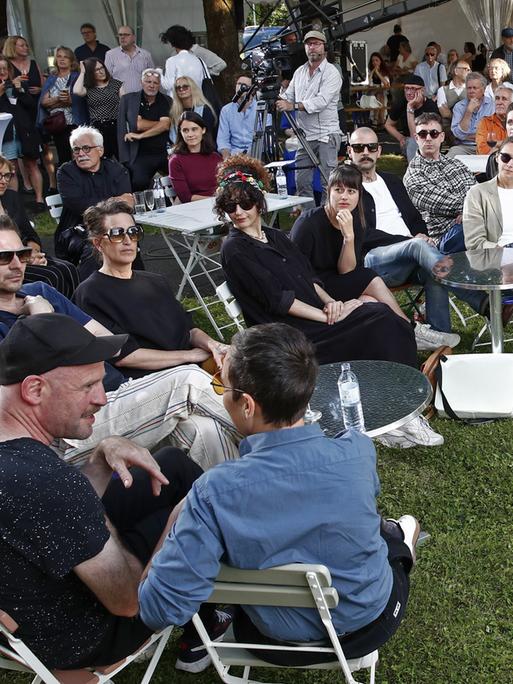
<point>178,403</point>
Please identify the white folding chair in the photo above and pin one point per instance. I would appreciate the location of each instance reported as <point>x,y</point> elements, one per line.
<point>231,305</point>
<point>295,585</point>
<point>17,656</point>
<point>54,203</point>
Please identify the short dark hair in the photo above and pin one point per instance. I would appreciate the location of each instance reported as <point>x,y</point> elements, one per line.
<point>427,117</point>
<point>207,142</point>
<point>89,26</point>
<point>178,37</point>
<point>350,176</point>
<point>94,216</point>
<point>276,365</point>
<point>89,76</point>
<point>6,223</point>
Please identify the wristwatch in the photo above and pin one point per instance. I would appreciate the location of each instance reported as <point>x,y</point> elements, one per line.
<point>296,106</point>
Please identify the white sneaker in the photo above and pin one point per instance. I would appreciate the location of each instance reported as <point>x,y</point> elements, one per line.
<point>410,527</point>
<point>416,432</point>
<point>428,339</point>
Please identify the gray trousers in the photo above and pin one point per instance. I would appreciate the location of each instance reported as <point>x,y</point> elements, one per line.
<point>328,158</point>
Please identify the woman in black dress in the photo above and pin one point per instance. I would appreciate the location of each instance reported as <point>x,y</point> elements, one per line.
<point>273,281</point>
<point>331,237</point>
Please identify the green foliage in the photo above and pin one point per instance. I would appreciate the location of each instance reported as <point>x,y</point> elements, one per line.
<point>278,17</point>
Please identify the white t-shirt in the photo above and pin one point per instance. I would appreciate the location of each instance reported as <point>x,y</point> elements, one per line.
<point>506,200</point>
<point>182,64</point>
<point>388,216</point>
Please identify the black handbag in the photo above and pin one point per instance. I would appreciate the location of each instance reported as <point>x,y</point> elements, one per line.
<point>209,90</point>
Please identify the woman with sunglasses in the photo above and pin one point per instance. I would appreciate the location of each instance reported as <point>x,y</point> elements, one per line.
<point>194,162</point>
<point>187,97</point>
<point>331,237</point>
<point>139,303</point>
<point>488,208</point>
<point>273,280</point>
<point>102,93</point>
<point>61,275</point>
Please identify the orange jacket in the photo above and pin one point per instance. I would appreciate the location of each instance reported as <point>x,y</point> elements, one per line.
<point>489,124</point>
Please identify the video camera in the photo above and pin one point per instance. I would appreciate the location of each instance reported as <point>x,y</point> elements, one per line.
<point>266,62</point>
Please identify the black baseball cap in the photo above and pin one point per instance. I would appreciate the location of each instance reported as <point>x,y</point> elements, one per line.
<point>507,32</point>
<point>413,79</point>
<point>39,343</point>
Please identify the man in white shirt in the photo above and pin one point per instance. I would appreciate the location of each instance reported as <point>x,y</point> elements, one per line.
<point>313,93</point>
<point>186,61</point>
<point>448,95</point>
<point>128,61</point>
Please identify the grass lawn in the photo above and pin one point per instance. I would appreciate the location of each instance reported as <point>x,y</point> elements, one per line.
<point>459,624</point>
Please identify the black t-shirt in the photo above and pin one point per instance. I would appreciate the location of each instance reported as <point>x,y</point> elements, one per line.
<point>398,113</point>
<point>153,112</point>
<point>143,306</point>
<point>51,521</point>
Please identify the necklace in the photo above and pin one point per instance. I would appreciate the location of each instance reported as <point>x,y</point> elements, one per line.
<point>261,238</point>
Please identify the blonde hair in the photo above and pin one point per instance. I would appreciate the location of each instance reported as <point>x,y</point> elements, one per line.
<point>197,96</point>
<point>69,54</point>
<point>9,49</point>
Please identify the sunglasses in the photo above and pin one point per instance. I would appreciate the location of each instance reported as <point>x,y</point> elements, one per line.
<point>230,207</point>
<point>117,235</point>
<point>183,87</point>
<point>424,134</point>
<point>24,255</point>
<point>218,386</point>
<point>360,147</point>
<point>6,176</point>
<point>505,157</point>
<point>84,148</point>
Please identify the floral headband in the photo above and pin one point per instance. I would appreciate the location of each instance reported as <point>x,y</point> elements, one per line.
<point>240,177</point>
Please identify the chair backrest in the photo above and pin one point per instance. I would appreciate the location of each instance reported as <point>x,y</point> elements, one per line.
<point>54,203</point>
<point>231,305</point>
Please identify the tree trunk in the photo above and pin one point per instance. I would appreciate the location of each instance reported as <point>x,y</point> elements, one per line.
<point>223,39</point>
<point>3,18</point>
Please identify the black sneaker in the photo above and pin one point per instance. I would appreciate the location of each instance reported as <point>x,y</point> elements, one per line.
<point>193,655</point>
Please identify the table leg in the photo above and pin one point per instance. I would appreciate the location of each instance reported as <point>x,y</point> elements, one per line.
<point>496,328</point>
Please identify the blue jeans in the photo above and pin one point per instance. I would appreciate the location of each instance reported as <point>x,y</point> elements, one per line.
<point>412,261</point>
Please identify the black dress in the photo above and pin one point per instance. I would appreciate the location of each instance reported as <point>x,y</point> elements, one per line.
<point>265,278</point>
<point>321,243</point>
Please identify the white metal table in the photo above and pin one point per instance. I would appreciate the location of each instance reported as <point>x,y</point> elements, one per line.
<point>195,228</point>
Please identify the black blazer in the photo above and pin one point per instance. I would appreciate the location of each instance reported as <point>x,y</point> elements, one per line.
<point>14,208</point>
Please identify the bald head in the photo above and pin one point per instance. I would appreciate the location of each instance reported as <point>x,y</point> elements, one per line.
<point>364,150</point>
<point>368,133</point>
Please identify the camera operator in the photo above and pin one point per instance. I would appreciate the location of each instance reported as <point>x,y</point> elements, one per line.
<point>314,93</point>
<point>235,132</point>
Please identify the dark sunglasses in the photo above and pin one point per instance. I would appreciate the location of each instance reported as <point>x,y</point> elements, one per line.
<point>246,204</point>
<point>183,87</point>
<point>134,232</point>
<point>360,147</point>
<point>83,148</point>
<point>424,134</point>
<point>24,255</point>
<point>218,386</point>
<point>505,157</point>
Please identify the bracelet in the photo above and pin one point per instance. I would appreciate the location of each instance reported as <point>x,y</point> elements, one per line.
<point>410,111</point>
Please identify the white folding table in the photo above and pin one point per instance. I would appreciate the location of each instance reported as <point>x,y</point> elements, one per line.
<point>194,226</point>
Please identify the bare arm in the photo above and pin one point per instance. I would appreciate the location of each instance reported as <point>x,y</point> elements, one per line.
<point>346,261</point>
<point>156,128</point>
<point>391,128</point>
<point>78,88</point>
<point>157,359</point>
<point>201,340</point>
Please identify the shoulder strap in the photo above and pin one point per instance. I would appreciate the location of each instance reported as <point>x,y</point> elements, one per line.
<point>447,407</point>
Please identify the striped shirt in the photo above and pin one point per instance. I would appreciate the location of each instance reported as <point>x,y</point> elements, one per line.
<point>128,68</point>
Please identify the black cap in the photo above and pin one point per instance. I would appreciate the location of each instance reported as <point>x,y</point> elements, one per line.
<point>413,79</point>
<point>507,32</point>
<point>39,343</point>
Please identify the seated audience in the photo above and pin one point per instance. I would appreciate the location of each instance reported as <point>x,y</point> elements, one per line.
<point>140,303</point>
<point>187,97</point>
<point>331,237</point>
<point>406,60</point>
<point>488,208</point>
<point>82,183</point>
<point>452,61</point>
<point>102,95</point>
<point>400,123</point>
<point>91,47</point>
<point>61,275</point>
<point>437,185</point>
<point>498,73</point>
<point>492,129</point>
<point>78,540</point>
<point>128,62</point>
<point>143,129</point>
<point>57,97</point>
<point>467,113</point>
<point>194,162</point>
<point>326,489</point>
<point>431,71</point>
<point>235,133</point>
<point>456,91</point>
<point>22,139</point>
<point>176,404</point>
<point>184,62</point>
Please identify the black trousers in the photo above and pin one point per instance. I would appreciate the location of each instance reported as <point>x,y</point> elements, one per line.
<point>145,167</point>
<point>355,644</point>
<point>140,518</point>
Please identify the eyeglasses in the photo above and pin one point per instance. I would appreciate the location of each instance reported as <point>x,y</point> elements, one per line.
<point>101,68</point>
<point>183,87</point>
<point>24,255</point>
<point>463,68</point>
<point>218,386</point>
<point>424,134</point>
<point>430,54</point>
<point>360,147</point>
<point>505,157</point>
<point>117,235</point>
<point>83,148</point>
<point>6,176</point>
<point>124,35</point>
<point>245,204</point>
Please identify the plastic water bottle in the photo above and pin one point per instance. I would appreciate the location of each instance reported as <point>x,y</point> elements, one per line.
<point>349,392</point>
<point>281,183</point>
<point>158,194</point>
